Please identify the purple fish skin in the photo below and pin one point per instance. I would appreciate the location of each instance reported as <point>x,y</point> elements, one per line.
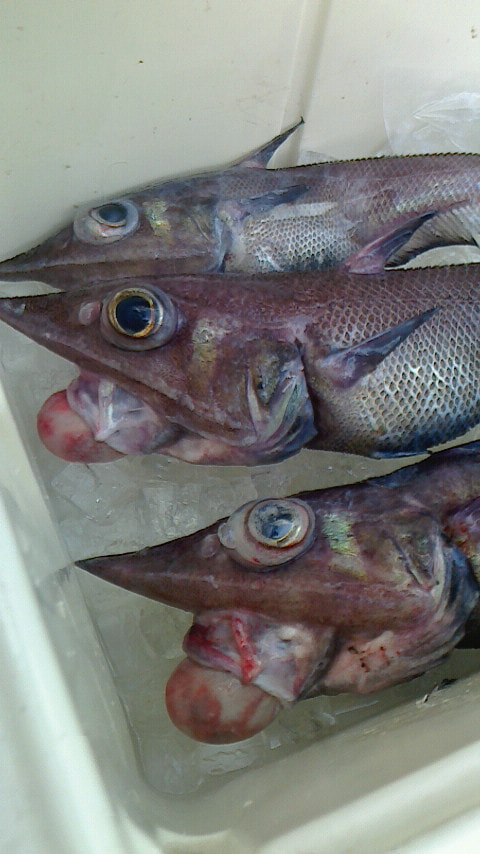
<point>384,364</point>
<point>247,218</point>
<point>381,593</point>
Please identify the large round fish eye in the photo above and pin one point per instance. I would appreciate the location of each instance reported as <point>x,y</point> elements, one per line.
<point>135,312</point>
<point>277,523</point>
<point>139,318</point>
<point>107,223</point>
<point>114,214</point>
<point>264,534</point>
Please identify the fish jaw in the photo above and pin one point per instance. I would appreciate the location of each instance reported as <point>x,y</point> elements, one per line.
<point>95,421</point>
<point>117,419</point>
<point>283,659</point>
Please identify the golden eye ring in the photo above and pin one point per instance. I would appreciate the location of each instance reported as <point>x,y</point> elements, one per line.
<point>140,302</point>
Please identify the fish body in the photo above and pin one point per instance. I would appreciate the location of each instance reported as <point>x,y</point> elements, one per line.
<point>250,373</point>
<point>250,219</point>
<point>352,588</point>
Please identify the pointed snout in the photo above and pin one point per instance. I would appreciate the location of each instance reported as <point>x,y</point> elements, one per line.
<point>193,573</point>
<point>29,316</point>
<point>49,262</point>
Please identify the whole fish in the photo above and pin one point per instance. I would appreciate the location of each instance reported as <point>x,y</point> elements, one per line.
<point>248,218</point>
<point>354,588</point>
<point>250,373</point>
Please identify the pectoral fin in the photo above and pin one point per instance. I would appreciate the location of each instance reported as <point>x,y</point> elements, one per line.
<point>459,225</point>
<point>345,367</point>
<point>373,257</point>
<point>260,158</point>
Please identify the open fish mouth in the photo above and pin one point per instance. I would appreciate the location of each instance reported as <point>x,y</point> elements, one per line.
<point>116,417</point>
<point>95,420</point>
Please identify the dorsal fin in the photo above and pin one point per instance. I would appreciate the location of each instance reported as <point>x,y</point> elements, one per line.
<point>259,159</point>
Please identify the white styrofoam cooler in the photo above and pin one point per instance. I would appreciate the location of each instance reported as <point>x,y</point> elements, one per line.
<point>101,97</point>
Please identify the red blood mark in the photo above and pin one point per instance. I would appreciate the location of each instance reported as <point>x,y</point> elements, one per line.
<point>214,707</point>
<point>199,646</point>
<point>249,662</point>
<point>67,436</point>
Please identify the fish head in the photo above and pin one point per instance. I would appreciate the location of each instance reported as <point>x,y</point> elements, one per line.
<point>173,365</point>
<point>293,597</point>
<point>169,227</point>
<point>165,228</point>
<point>243,665</point>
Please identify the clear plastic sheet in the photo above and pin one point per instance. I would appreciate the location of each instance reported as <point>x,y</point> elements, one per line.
<point>446,119</point>
<point>142,501</point>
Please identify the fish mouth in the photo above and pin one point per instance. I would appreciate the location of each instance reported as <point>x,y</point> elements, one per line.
<point>280,658</point>
<point>117,418</point>
<point>106,418</point>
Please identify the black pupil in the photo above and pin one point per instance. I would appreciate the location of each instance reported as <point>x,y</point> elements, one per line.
<point>133,314</point>
<point>113,214</point>
<point>275,524</point>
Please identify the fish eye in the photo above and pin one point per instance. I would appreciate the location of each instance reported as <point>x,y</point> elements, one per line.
<point>276,523</point>
<point>134,312</point>
<point>138,318</point>
<point>114,214</point>
<point>268,533</point>
<point>107,223</point>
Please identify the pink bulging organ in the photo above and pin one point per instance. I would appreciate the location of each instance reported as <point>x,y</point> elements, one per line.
<point>95,420</point>
<point>241,670</point>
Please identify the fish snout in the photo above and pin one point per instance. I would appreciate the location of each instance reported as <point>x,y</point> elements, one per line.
<point>47,262</point>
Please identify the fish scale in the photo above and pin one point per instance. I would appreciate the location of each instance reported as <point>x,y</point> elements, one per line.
<point>416,412</point>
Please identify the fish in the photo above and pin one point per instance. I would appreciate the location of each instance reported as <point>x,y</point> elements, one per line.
<point>366,214</point>
<point>249,374</point>
<point>347,589</point>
